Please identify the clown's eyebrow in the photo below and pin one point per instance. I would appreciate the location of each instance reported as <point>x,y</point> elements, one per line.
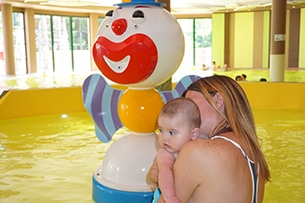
<point>142,7</point>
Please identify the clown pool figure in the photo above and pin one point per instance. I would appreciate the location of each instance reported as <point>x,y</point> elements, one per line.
<point>139,45</point>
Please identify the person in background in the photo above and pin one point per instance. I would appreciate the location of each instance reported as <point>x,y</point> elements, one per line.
<point>226,67</point>
<point>178,123</point>
<point>203,67</point>
<point>244,77</point>
<point>229,166</point>
<point>263,80</point>
<point>215,68</point>
<point>238,78</point>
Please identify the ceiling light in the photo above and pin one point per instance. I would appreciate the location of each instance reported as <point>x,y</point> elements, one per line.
<point>232,5</point>
<point>36,1</point>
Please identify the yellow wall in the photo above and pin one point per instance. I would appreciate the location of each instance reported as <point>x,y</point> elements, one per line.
<point>218,40</point>
<point>248,44</point>
<point>36,102</point>
<point>266,95</point>
<point>266,39</point>
<point>243,47</point>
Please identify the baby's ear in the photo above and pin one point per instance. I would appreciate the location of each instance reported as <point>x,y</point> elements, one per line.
<point>195,133</point>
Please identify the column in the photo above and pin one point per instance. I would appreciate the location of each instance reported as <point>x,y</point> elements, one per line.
<point>294,38</point>
<point>94,29</point>
<point>7,21</point>
<point>277,52</point>
<point>30,39</point>
<point>167,85</point>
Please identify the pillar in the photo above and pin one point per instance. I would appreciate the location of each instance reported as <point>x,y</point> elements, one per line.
<point>294,38</point>
<point>7,21</point>
<point>30,40</point>
<point>94,29</point>
<point>167,85</point>
<point>277,52</point>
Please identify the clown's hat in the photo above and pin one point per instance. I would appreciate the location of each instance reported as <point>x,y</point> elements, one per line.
<point>141,2</point>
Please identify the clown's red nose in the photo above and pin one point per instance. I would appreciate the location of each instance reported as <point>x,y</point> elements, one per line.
<point>119,26</point>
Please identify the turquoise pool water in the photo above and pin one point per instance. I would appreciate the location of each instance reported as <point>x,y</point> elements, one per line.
<point>52,158</point>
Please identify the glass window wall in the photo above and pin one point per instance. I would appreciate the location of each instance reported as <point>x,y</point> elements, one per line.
<point>19,43</point>
<point>2,68</point>
<point>63,44</point>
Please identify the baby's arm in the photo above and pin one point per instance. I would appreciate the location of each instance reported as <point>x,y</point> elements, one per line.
<point>165,161</point>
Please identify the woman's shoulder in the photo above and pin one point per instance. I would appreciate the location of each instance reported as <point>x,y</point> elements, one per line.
<point>214,149</point>
<point>207,145</point>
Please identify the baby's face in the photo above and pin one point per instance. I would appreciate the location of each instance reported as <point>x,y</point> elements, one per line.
<point>173,132</point>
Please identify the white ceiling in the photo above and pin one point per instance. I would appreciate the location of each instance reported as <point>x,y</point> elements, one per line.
<point>177,6</point>
<point>226,5</point>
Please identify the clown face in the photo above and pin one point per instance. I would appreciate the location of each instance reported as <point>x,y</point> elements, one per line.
<point>138,45</point>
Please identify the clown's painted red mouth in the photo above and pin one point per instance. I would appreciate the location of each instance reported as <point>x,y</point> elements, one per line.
<point>128,62</point>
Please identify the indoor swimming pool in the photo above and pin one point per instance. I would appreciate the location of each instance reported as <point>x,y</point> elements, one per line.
<point>52,158</point>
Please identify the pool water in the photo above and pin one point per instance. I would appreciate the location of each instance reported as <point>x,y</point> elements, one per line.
<point>282,134</point>
<point>48,159</point>
<point>52,158</point>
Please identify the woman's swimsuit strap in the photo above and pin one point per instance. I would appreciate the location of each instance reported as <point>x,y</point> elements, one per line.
<point>250,164</point>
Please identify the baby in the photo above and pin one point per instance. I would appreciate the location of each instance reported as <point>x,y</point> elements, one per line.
<point>178,123</point>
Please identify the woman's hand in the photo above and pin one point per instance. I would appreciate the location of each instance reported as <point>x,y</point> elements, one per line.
<point>153,173</point>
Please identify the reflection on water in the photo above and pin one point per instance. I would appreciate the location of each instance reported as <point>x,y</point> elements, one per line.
<point>68,80</point>
<point>52,159</point>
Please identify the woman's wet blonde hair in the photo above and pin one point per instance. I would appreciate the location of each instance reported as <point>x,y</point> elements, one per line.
<point>237,115</point>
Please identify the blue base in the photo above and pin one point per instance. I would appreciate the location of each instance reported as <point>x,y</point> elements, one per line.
<point>103,194</point>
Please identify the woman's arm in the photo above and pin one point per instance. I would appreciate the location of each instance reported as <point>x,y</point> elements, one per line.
<point>186,172</point>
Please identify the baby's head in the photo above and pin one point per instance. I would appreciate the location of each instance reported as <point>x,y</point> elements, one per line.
<point>179,122</point>
<point>184,107</point>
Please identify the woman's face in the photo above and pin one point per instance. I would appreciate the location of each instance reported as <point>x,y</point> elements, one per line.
<point>209,116</point>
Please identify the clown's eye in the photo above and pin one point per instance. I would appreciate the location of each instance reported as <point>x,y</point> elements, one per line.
<point>109,13</point>
<point>138,14</point>
<point>138,17</point>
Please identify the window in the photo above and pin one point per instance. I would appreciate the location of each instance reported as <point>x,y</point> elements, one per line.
<point>43,43</point>
<point>198,45</point>
<point>63,44</point>
<point>81,44</point>
<point>2,68</point>
<point>203,41</point>
<point>19,43</point>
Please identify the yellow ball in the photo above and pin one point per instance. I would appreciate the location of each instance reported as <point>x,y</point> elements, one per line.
<point>138,109</point>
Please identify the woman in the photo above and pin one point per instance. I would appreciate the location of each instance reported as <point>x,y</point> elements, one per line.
<point>229,166</point>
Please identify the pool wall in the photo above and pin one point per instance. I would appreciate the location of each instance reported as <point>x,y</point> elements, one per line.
<point>37,102</point>
<point>265,95</point>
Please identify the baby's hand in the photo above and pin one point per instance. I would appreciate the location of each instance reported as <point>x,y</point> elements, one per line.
<point>172,200</point>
